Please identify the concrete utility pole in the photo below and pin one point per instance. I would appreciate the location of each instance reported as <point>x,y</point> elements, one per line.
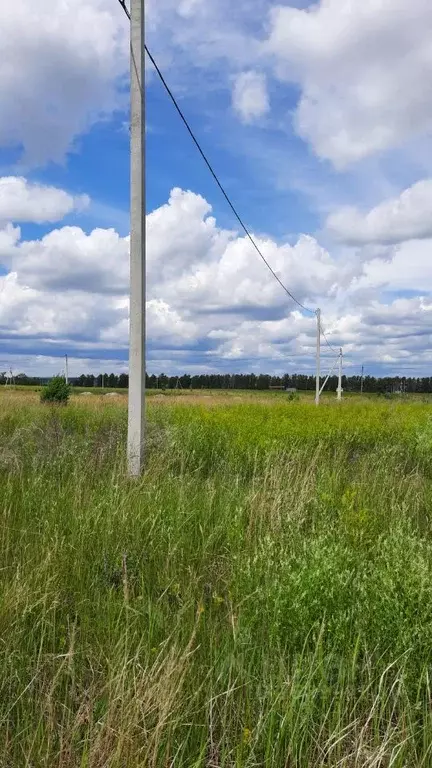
<point>361,381</point>
<point>318,356</point>
<point>136,400</point>
<point>339,389</point>
<point>66,370</point>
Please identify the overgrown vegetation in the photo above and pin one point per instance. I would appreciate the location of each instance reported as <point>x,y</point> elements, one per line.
<point>261,597</point>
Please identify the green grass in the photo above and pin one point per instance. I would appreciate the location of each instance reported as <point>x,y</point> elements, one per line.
<point>262,596</point>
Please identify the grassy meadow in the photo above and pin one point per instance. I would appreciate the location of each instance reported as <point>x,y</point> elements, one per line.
<point>261,597</point>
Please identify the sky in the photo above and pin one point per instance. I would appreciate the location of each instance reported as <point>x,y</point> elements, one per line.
<point>318,120</point>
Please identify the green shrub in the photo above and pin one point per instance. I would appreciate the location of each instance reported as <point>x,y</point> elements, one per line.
<point>57,391</point>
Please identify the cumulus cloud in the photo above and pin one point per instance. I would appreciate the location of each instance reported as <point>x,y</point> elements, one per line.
<point>394,335</point>
<point>68,259</point>
<point>201,33</point>
<point>406,217</point>
<point>73,285</point>
<point>21,200</point>
<point>406,267</point>
<point>209,293</point>
<point>201,266</point>
<point>163,325</point>
<point>61,66</point>
<point>250,98</point>
<point>27,312</point>
<point>191,261</point>
<point>9,236</point>
<point>362,69</point>
<point>283,341</point>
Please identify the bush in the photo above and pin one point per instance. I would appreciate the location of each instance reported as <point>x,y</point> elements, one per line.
<point>57,391</point>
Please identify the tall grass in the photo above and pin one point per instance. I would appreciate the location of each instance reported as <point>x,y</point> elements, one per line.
<point>262,596</point>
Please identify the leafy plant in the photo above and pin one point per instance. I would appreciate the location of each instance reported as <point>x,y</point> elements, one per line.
<point>57,391</point>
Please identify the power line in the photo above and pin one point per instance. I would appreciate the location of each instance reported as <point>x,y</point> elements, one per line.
<point>213,173</point>
<point>328,343</point>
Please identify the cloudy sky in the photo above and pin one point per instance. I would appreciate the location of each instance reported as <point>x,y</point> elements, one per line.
<point>318,119</point>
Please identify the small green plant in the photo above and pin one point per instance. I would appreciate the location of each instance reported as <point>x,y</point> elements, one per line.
<point>57,391</point>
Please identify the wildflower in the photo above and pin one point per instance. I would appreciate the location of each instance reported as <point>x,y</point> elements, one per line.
<point>217,599</point>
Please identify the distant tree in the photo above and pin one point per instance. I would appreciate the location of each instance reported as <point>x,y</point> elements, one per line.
<point>299,381</point>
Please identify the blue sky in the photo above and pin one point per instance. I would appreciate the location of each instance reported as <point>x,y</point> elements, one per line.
<point>317,123</point>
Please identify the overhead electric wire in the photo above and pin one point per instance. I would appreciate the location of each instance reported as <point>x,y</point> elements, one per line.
<point>328,343</point>
<point>213,172</point>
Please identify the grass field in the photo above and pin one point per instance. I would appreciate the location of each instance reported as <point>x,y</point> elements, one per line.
<point>262,596</point>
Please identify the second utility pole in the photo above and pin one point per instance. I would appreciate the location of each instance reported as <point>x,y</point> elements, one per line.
<point>136,399</point>
<point>339,389</point>
<point>318,356</point>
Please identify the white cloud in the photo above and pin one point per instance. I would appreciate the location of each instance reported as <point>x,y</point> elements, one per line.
<point>179,233</point>
<point>187,8</point>
<point>272,339</point>
<point>80,319</point>
<point>188,34</point>
<point>239,280</point>
<point>209,293</point>
<point>191,262</point>
<point>395,335</point>
<point>60,65</point>
<point>406,217</point>
<point>21,200</point>
<point>362,68</point>
<point>163,324</point>
<point>198,265</point>
<point>406,267</point>
<point>9,236</point>
<point>68,259</point>
<point>30,312</point>
<point>250,98</point>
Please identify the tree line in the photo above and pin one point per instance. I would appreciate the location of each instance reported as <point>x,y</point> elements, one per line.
<point>298,381</point>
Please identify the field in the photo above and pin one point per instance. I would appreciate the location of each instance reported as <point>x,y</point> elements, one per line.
<point>261,597</point>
